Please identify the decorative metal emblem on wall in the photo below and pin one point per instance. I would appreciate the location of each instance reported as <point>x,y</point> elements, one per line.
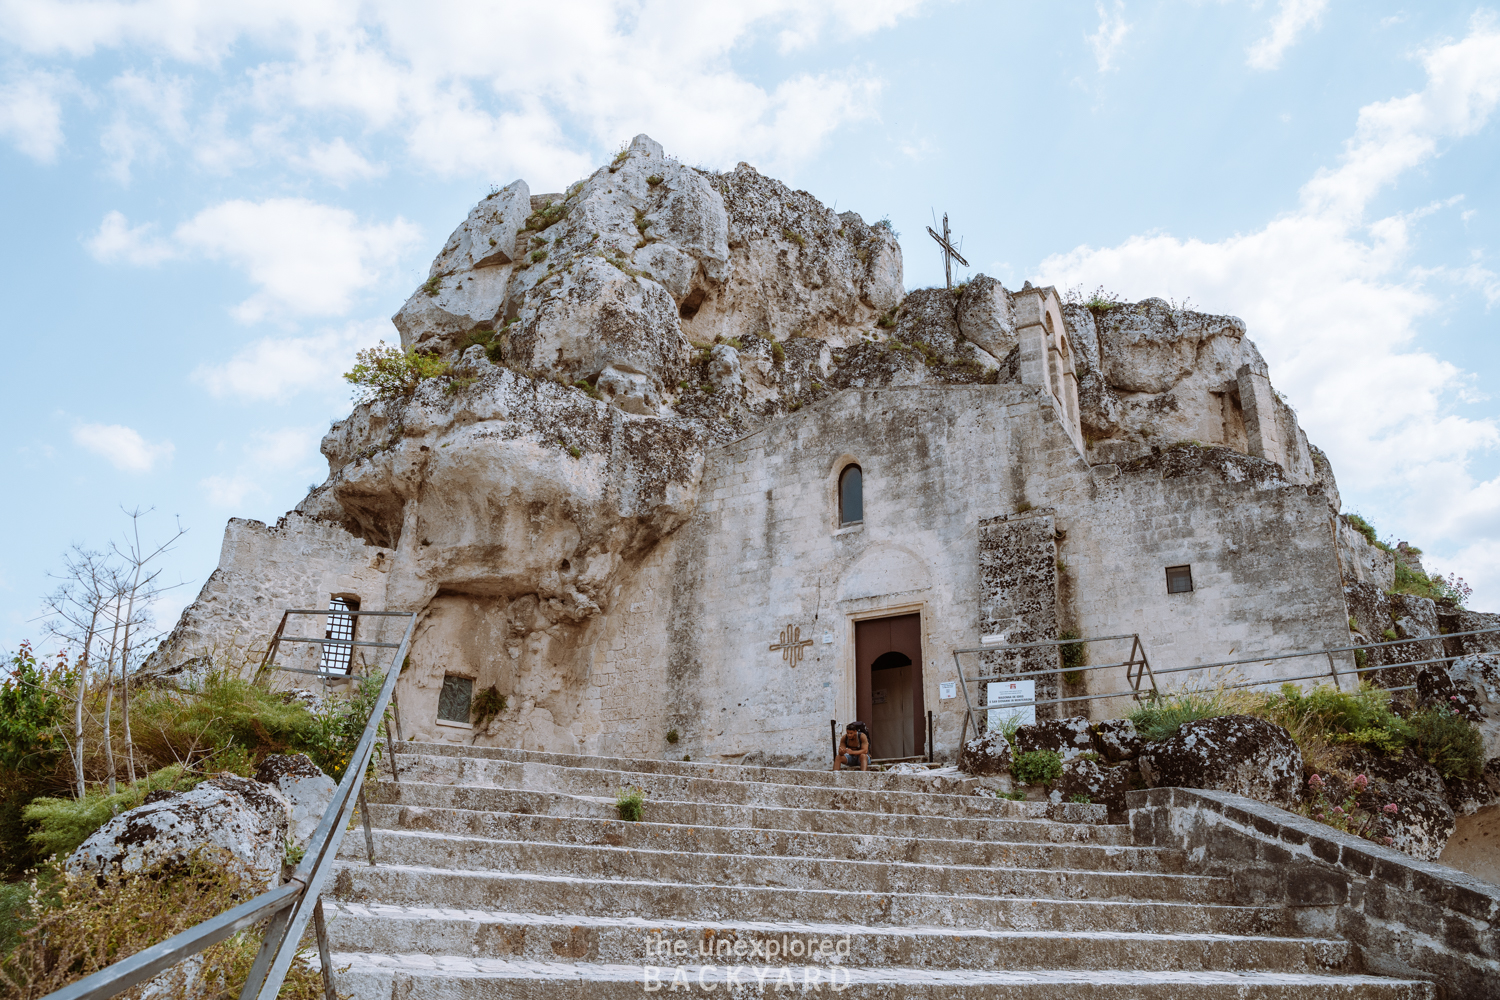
<point>792,645</point>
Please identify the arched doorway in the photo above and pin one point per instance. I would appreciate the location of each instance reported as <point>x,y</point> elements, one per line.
<point>888,684</point>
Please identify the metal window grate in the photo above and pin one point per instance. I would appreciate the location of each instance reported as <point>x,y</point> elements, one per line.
<point>1179,579</point>
<point>338,658</point>
<point>453,702</point>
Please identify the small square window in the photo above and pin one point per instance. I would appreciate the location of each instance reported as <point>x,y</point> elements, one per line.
<point>453,702</point>
<point>1179,579</point>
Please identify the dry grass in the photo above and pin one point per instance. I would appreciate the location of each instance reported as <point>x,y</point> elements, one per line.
<point>79,927</point>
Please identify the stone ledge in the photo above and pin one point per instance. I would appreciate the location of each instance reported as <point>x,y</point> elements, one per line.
<point>1407,917</point>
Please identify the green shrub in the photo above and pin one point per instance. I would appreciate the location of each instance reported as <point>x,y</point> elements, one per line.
<point>673,736</point>
<point>885,224</point>
<point>655,179</point>
<point>1163,714</point>
<point>1333,713</point>
<point>537,256</point>
<point>62,824</point>
<point>1080,798</point>
<point>486,705</point>
<point>1389,635</point>
<point>390,373</point>
<point>1013,796</point>
<point>1447,741</point>
<point>433,285</point>
<point>778,353</point>
<point>1037,767</point>
<point>887,320</point>
<point>794,237</point>
<point>630,803</point>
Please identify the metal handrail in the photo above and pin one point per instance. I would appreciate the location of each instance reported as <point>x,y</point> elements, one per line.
<point>1136,692</point>
<point>289,906</point>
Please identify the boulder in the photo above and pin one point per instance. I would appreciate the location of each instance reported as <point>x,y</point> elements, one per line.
<point>488,236</point>
<point>1100,783</point>
<point>1069,737</point>
<point>984,316</point>
<point>1232,753</point>
<point>307,790</point>
<point>986,755</point>
<point>1424,820</point>
<point>246,818</point>
<point>1117,740</point>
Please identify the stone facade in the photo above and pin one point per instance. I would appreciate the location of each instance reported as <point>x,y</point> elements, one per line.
<point>620,508</point>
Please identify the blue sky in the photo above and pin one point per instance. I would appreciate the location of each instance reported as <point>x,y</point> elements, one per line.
<point>210,207</point>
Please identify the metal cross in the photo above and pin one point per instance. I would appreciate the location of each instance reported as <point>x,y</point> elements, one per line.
<point>791,644</point>
<point>949,254</point>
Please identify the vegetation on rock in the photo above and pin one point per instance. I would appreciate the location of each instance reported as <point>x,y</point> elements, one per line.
<point>383,372</point>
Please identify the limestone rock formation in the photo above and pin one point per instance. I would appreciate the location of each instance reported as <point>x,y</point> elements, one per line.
<point>1233,753</point>
<point>246,818</point>
<point>647,369</point>
<point>1068,737</point>
<point>1117,740</point>
<point>986,755</point>
<point>307,790</point>
<point>1470,685</point>
<point>1084,776</point>
<point>1424,819</point>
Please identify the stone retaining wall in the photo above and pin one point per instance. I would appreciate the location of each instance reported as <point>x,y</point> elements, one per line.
<point>1407,917</point>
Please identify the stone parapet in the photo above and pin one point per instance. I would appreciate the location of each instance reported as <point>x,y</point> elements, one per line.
<point>1407,917</point>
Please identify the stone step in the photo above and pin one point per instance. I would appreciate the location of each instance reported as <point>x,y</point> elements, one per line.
<point>622,941</point>
<point>463,853</point>
<point>424,977</point>
<point>690,813</point>
<point>662,899</point>
<point>826,777</point>
<point>785,843</point>
<point>684,788</point>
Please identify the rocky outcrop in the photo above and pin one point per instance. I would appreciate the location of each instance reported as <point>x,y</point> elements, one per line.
<point>246,818</point>
<point>1423,820</point>
<point>1232,753</point>
<point>1068,737</point>
<point>307,790</point>
<point>986,755</point>
<point>1117,740</point>
<point>1086,777</point>
<point>1470,685</point>
<point>1361,560</point>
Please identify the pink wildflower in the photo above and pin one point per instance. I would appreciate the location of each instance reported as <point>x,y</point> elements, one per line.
<point>1321,817</point>
<point>1392,808</point>
<point>1315,781</point>
<point>1338,810</point>
<point>1389,841</point>
<point>1360,781</point>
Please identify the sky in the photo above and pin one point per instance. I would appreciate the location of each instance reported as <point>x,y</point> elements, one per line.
<point>210,207</point>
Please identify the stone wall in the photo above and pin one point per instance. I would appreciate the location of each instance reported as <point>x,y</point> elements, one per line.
<point>1265,577</point>
<point>1408,918</point>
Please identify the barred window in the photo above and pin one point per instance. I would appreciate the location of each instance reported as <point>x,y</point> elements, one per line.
<point>338,657</point>
<point>1179,579</point>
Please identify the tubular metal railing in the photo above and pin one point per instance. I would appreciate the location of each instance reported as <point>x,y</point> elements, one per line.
<point>1139,670</point>
<point>288,908</point>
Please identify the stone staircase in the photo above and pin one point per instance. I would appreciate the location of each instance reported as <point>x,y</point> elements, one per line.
<point>506,873</point>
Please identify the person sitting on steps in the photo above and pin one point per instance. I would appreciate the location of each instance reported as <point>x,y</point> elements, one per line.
<point>854,748</point>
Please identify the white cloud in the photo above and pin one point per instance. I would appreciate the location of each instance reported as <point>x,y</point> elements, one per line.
<point>467,86</point>
<point>31,114</point>
<point>118,242</point>
<point>339,162</point>
<point>1292,18</point>
<point>122,446</point>
<point>278,367</point>
<point>1111,34</point>
<point>308,259</point>
<point>1333,303</point>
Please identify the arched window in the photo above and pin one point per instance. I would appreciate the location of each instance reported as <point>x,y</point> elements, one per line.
<point>851,496</point>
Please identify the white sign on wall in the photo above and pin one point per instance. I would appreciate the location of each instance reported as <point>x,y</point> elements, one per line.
<point>1012,693</point>
<point>947,689</point>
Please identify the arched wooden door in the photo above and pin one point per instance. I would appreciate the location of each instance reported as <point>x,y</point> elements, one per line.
<point>888,684</point>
